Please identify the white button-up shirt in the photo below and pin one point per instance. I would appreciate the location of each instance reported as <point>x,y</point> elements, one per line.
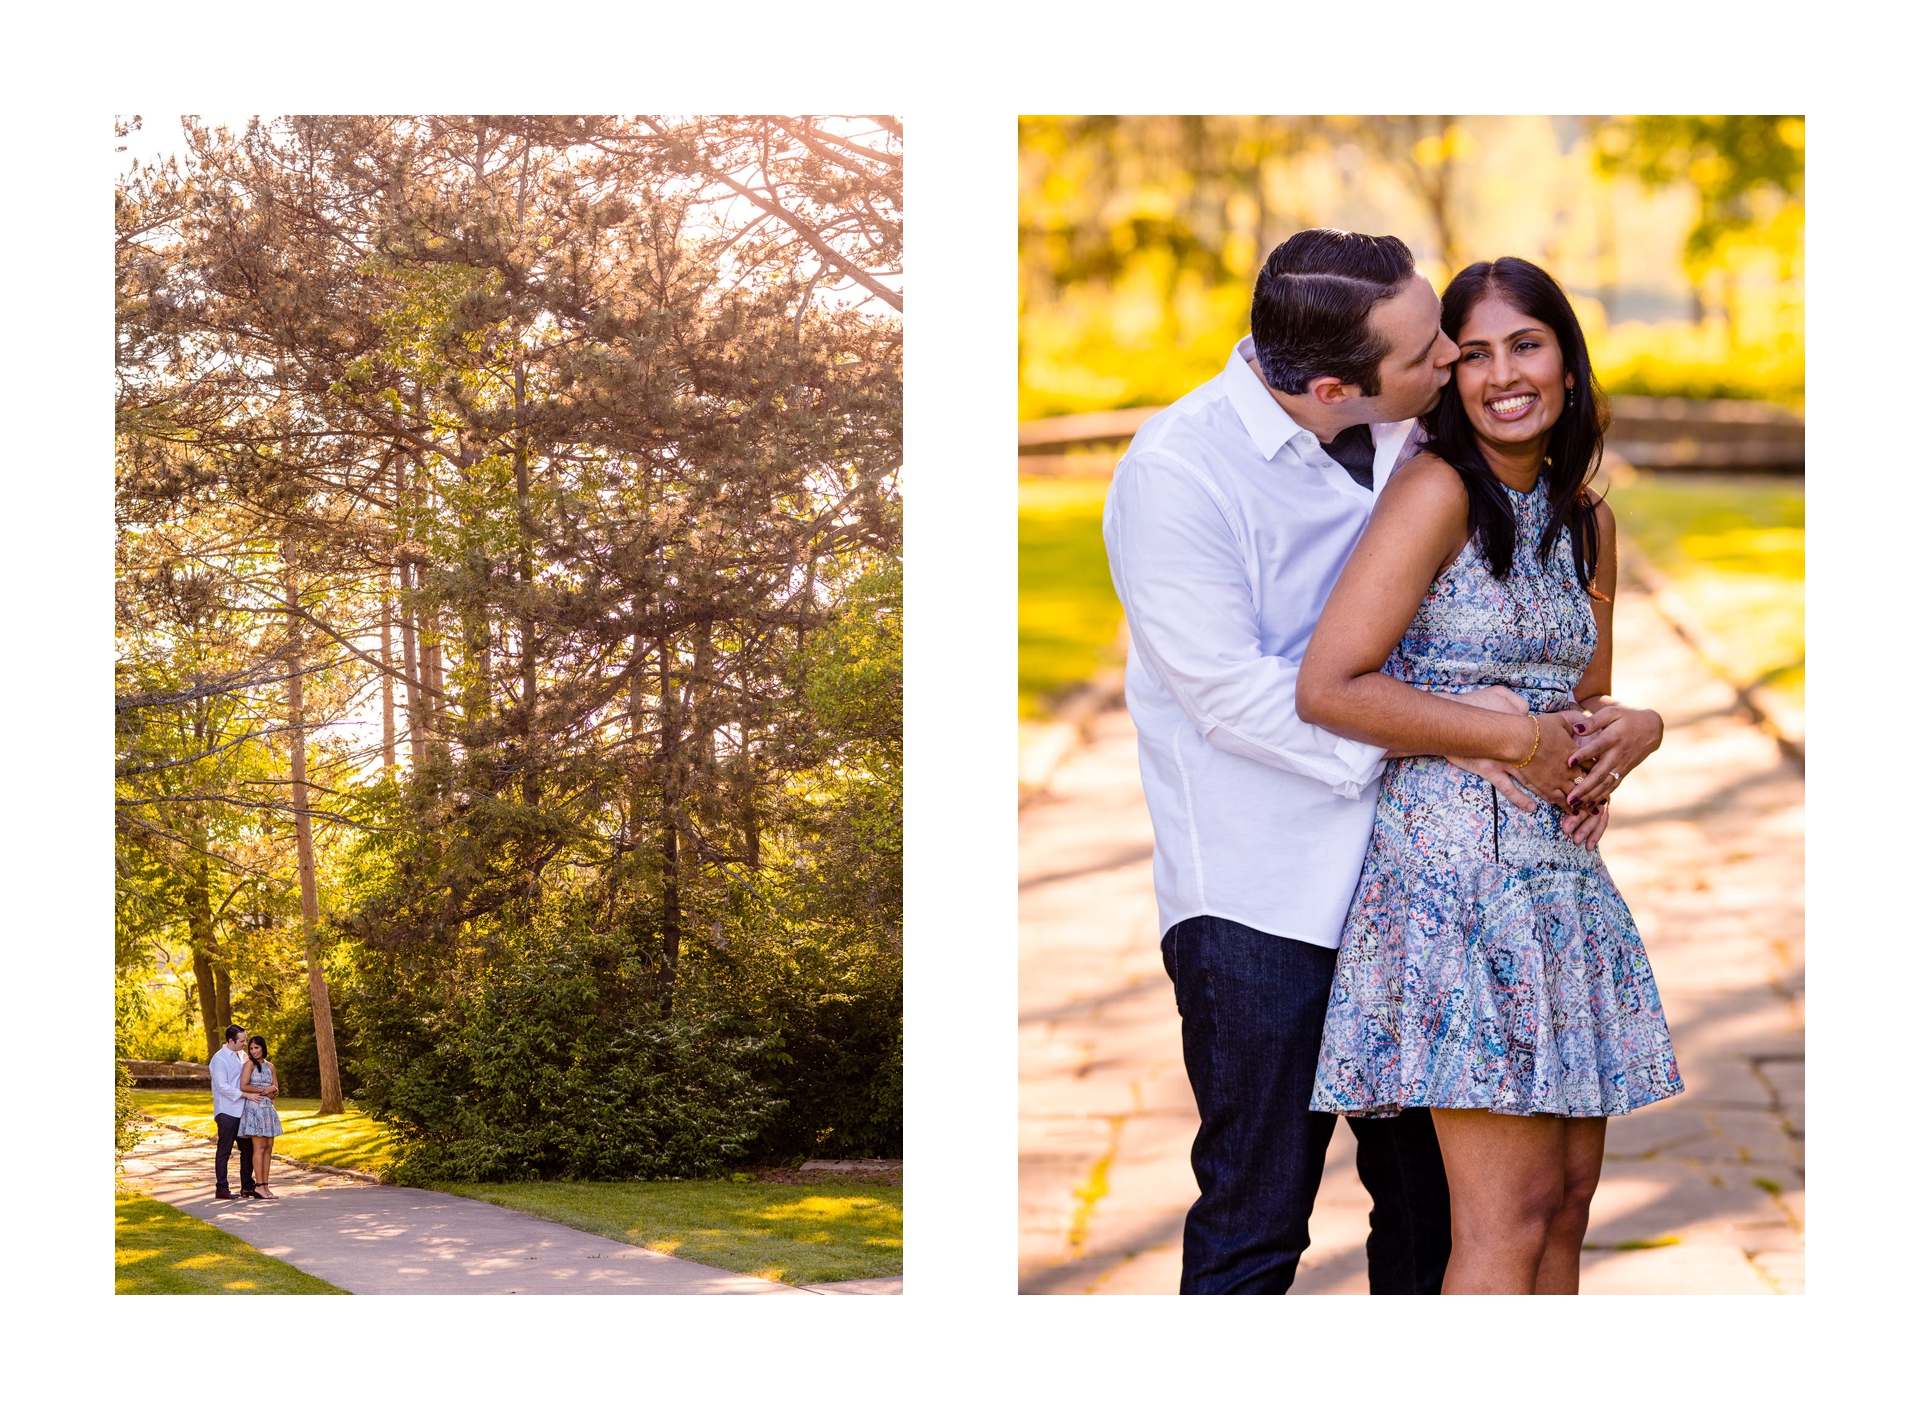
<point>224,1066</point>
<point>1226,527</point>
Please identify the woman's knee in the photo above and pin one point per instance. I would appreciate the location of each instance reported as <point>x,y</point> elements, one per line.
<point>1570,1219</point>
<point>1525,1212</point>
<point>1579,1181</point>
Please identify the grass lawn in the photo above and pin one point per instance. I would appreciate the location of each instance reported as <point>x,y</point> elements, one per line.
<point>1735,548</point>
<point>1069,617</point>
<point>157,1249</point>
<point>823,1233</point>
<point>349,1140</point>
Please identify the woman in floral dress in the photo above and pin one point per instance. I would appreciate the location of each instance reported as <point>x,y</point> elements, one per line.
<point>259,1121</point>
<point>1489,970</point>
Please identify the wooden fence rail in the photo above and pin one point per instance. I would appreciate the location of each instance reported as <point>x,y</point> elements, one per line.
<point>1654,433</point>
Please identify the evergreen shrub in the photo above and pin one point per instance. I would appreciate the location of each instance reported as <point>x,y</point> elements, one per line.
<point>552,1058</point>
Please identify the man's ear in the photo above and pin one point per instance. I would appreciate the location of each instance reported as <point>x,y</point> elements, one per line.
<point>1331,391</point>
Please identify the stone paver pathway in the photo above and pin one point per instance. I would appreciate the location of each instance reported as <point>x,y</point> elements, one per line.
<point>1702,1193</point>
<point>393,1239</point>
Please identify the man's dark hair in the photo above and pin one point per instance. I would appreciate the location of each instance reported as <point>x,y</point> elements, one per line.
<point>234,1030</point>
<point>1310,307</point>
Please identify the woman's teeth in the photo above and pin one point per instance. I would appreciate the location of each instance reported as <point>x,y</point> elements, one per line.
<point>1507,405</point>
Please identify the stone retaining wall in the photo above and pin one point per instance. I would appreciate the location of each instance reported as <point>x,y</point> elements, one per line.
<point>187,1075</point>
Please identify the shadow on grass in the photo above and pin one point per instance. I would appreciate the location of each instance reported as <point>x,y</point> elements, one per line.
<point>821,1233</point>
<point>157,1249</point>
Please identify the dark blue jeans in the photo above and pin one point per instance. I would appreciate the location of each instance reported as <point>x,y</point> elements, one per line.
<point>1251,1009</point>
<point>228,1130</point>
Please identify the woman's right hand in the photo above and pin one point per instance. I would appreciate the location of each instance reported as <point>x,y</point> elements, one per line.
<point>1497,772</point>
<point>1549,773</point>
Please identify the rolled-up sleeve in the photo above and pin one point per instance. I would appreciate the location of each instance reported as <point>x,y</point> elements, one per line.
<point>1180,571</point>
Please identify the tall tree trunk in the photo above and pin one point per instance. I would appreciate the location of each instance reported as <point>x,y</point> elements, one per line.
<point>212,1030</point>
<point>386,679</point>
<point>669,833</point>
<point>744,792</point>
<point>700,721</point>
<point>201,944</point>
<point>331,1100</point>
<point>222,995</point>
<point>435,679</point>
<point>409,629</point>
<point>433,703</point>
<point>529,660</point>
<point>410,663</point>
<point>523,514</point>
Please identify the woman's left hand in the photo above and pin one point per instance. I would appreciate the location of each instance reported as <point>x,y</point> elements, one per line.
<point>1612,745</point>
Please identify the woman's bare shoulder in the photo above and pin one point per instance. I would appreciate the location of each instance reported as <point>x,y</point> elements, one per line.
<point>1425,486</point>
<point>1427,473</point>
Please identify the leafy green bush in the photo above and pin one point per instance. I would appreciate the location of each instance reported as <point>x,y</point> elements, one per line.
<point>128,1004</point>
<point>824,973</point>
<point>126,1112</point>
<point>553,1061</point>
<point>829,1005</point>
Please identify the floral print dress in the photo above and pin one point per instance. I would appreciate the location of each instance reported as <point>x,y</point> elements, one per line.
<point>259,1118</point>
<point>1488,961</point>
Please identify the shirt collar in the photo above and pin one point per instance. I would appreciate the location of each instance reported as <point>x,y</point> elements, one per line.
<point>1266,420</point>
<point>1270,427</point>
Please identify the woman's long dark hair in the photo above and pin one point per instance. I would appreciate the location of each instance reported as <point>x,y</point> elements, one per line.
<point>1573,448</point>
<point>256,1038</point>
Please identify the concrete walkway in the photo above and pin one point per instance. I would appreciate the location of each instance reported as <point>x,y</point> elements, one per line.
<point>1702,1193</point>
<point>393,1239</point>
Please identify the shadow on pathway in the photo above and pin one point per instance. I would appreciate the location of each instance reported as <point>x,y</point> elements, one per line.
<point>394,1239</point>
<point>1703,1193</point>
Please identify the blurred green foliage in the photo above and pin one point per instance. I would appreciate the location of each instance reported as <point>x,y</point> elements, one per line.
<point>1069,616</point>
<point>1140,237</point>
<point>1688,523</point>
<point>1749,171</point>
<point>1735,549</point>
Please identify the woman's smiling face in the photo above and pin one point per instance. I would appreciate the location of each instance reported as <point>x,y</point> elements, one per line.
<point>1512,378</point>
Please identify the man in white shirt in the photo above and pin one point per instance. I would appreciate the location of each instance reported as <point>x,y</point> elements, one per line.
<point>1229,519</point>
<point>228,1104</point>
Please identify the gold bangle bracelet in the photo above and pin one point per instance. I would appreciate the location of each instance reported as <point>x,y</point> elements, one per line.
<point>1536,742</point>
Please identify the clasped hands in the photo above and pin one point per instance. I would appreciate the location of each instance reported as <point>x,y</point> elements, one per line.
<point>1581,758</point>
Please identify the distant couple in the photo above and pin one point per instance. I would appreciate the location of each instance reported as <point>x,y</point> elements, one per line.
<point>1370,672</point>
<point>244,1086</point>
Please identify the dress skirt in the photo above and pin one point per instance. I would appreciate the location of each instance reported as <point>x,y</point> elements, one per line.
<point>259,1119</point>
<point>1488,962</point>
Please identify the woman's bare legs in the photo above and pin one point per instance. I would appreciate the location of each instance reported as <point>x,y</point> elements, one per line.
<point>263,1160</point>
<point>1586,1144</point>
<point>1506,1176</point>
